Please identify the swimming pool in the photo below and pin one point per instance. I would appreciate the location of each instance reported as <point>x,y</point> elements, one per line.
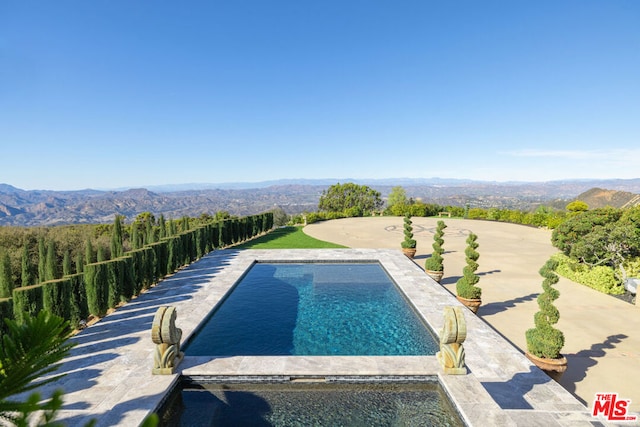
<point>314,309</point>
<point>420,403</point>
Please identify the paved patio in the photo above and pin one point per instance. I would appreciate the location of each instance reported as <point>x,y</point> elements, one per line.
<point>109,372</point>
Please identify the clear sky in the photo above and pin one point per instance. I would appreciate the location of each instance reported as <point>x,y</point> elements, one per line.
<point>130,93</point>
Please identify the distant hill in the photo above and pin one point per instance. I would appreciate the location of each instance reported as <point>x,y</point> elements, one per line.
<point>600,198</point>
<point>43,207</point>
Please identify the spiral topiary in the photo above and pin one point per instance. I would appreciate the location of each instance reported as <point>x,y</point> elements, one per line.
<point>435,262</point>
<point>544,340</point>
<point>465,286</point>
<point>408,242</point>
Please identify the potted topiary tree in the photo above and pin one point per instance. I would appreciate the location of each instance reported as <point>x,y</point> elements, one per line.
<point>433,266</point>
<point>408,244</point>
<point>544,342</point>
<point>467,291</point>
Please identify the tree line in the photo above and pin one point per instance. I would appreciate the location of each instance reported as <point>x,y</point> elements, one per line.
<point>599,248</point>
<point>352,200</point>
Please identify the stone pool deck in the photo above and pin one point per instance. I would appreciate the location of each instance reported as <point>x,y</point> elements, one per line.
<point>108,375</point>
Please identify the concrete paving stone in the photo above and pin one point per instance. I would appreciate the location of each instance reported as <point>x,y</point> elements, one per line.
<point>480,415</point>
<point>523,418</point>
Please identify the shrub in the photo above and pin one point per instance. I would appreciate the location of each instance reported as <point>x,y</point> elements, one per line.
<point>353,211</point>
<point>408,242</point>
<point>572,231</point>
<point>544,340</point>
<point>632,266</point>
<point>434,263</point>
<point>418,209</point>
<point>30,354</point>
<point>601,278</point>
<point>477,213</point>
<point>466,285</point>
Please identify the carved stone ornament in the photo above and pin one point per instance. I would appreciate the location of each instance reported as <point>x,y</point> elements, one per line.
<point>166,336</point>
<point>453,334</point>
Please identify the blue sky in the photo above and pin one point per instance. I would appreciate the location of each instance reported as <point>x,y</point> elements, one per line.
<point>126,93</point>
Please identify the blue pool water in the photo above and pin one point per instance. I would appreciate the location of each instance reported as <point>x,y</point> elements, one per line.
<point>319,404</point>
<point>313,309</point>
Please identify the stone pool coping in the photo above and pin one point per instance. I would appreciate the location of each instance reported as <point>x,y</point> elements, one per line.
<point>109,371</point>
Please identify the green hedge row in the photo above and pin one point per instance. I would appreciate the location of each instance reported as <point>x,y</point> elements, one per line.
<point>601,278</point>
<point>27,301</point>
<point>104,285</point>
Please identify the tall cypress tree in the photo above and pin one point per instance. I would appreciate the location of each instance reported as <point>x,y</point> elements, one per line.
<point>42,259</point>
<point>100,256</point>
<point>66,263</point>
<point>51,265</point>
<point>149,233</point>
<point>163,226</point>
<point>116,238</point>
<point>135,236</point>
<point>79,261</point>
<point>6,282</point>
<point>89,255</point>
<point>27,278</point>
<point>172,228</point>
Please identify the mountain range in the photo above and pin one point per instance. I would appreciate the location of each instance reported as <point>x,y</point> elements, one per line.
<point>46,207</point>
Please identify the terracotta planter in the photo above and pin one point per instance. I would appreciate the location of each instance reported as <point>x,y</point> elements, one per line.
<point>410,252</point>
<point>552,367</point>
<point>435,275</point>
<point>471,304</point>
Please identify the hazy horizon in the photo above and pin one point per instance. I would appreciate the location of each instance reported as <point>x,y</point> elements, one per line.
<point>133,94</point>
<point>322,181</point>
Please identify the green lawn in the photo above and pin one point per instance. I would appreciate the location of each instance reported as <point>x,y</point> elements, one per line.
<point>287,238</point>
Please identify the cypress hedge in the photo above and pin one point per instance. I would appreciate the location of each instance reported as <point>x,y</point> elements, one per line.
<point>97,287</point>
<point>114,283</point>
<point>173,253</point>
<point>78,309</point>
<point>120,280</point>
<point>216,235</point>
<point>161,258</point>
<point>225,233</point>
<point>128,287</point>
<point>56,297</point>
<point>27,301</point>
<point>104,285</point>
<point>187,248</point>
<point>200,244</point>
<point>143,268</point>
